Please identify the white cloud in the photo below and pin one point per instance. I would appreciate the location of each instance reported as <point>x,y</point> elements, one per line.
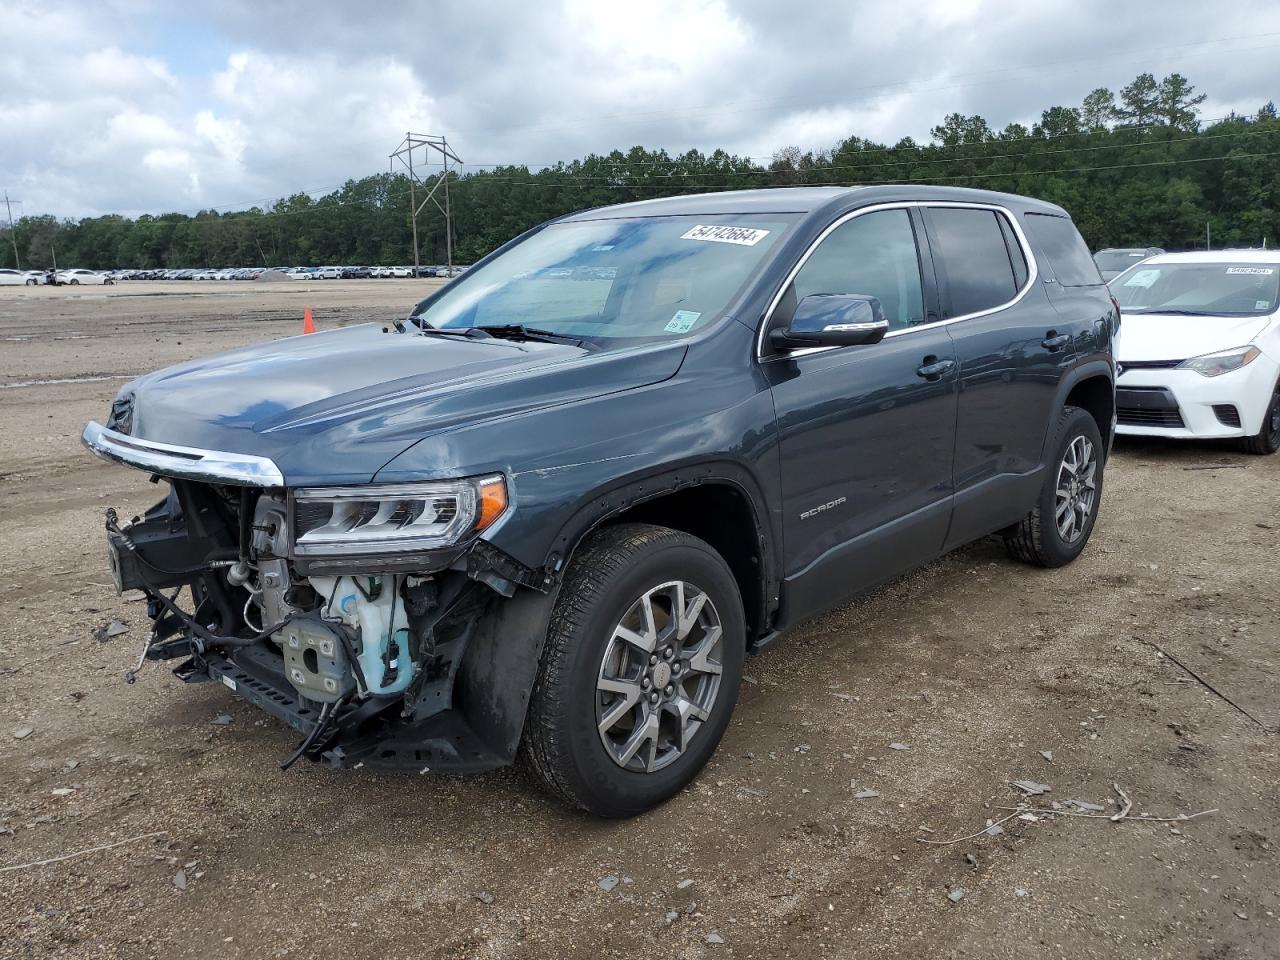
<point>134,105</point>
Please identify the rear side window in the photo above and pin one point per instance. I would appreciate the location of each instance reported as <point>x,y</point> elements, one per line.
<point>1064,248</point>
<point>975,259</point>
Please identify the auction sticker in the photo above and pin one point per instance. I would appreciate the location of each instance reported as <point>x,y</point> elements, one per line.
<point>1252,271</point>
<point>743,236</point>
<point>682,322</point>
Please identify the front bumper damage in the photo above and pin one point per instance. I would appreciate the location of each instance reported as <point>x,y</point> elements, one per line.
<point>427,670</point>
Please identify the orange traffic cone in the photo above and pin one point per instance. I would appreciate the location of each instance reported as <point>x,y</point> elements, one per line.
<point>308,325</point>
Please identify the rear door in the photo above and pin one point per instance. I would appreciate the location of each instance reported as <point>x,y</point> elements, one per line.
<point>1012,347</point>
<point>866,432</point>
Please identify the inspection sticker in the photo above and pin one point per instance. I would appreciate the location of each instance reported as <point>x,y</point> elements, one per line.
<point>1252,271</point>
<point>682,322</point>
<point>743,236</point>
<point>1261,304</point>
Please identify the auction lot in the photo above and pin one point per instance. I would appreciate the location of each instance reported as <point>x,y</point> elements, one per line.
<point>976,664</point>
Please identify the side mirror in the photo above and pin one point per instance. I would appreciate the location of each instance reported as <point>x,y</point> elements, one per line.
<point>832,320</point>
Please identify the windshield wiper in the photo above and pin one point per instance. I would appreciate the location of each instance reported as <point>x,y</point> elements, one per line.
<point>468,333</point>
<point>518,331</point>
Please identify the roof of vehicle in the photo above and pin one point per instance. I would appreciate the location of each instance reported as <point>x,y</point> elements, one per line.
<point>1218,256</point>
<point>803,200</point>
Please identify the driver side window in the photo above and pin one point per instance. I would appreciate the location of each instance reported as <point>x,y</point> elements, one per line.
<point>873,255</point>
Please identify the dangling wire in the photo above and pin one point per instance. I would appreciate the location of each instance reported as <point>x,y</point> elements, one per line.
<point>327,713</point>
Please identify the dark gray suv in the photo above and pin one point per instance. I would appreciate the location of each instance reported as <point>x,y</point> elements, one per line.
<point>554,508</point>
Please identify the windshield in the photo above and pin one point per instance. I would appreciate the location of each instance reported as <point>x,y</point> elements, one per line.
<point>1209,289</point>
<point>1118,259</point>
<point>635,279</point>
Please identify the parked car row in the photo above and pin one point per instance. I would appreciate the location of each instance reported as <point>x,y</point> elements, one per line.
<point>35,278</point>
<point>294,273</point>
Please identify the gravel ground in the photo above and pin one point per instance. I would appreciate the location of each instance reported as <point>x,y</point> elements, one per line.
<point>975,665</point>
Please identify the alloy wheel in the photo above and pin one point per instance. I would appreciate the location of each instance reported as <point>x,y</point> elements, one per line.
<point>659,676</point>
<point>1077,490</point>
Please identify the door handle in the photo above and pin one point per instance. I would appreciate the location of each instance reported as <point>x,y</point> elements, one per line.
<point>1055,341</point>
<point>934,369</point>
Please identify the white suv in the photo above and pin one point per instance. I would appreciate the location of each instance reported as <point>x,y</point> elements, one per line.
<point>1200,347</point>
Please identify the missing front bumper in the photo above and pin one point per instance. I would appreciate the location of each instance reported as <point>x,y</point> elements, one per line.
<point>372,734</point>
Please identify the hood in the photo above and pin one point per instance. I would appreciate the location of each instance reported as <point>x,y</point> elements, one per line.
<point>1158,336</point>
<point>334,407</point>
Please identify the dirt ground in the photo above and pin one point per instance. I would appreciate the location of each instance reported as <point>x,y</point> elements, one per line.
<point>976,664</point>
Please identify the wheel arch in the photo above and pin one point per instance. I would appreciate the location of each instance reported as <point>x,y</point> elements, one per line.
<point>717,502</point>
<point>1092,387</point>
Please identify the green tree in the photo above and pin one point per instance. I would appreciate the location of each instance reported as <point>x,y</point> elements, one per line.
<point>1176,102</point>
<point>1139,101</point>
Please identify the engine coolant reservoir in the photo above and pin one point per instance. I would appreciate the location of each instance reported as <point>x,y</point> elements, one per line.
<point>371,606</point>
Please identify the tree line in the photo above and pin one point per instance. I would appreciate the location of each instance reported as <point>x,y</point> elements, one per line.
<point>1134,168</point>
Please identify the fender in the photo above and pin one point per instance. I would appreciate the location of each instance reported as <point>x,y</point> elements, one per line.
<point>1097,367</point>
<point>643,487</point>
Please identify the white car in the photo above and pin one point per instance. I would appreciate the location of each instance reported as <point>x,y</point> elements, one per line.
<point>1199,347</point>
<point>77,277</point>
<point>299,273</point>
<point>399,272</point>
<point>329,273</point>
<point>13,278</point>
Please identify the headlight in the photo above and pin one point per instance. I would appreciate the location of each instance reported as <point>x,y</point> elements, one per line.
<point>395,518</point>
<point>1216,364</point>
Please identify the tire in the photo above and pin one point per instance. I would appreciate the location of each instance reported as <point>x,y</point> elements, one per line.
<point>108,283</point>
<point>1267,439</point>
<point>31,283</point>
<point>1038,538</point>
<point>75,283</point>
<point>606,585</point>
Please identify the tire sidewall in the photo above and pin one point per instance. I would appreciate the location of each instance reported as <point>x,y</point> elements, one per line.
<point>609,785</point>
<point>1075,423</point>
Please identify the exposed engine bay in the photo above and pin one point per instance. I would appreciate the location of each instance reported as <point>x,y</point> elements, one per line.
<point>360,655</point>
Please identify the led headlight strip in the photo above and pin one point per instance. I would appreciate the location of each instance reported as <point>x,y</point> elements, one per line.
<point>395,518</point>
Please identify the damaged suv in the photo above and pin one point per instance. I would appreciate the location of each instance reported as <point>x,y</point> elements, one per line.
<point>554,508</point>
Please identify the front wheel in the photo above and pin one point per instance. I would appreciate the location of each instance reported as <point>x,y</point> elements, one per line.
<point>1059,525</point>
<point>640,671</point>
<point>75,283</point>
<point>1267,439</point>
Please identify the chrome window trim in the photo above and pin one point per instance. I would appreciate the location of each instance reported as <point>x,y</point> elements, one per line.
<point>188,463</point>
<point>1033,272</point>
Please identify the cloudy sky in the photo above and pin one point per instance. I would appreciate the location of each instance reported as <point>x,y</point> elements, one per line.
<point>132,106</point>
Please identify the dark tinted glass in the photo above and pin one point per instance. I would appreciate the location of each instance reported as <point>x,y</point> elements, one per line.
<point>874,255</point>
<point>1015,252</point>
<point>972,249</point>
<point>1064,248</point>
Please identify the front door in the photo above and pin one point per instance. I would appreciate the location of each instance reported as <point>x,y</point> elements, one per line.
<point>866,432</point>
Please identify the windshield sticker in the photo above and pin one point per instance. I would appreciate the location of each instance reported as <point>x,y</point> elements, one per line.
<point>682,322</point>
<point>601,247</point>
<point>1143,278</point>
<point>1261,304</point>
<point>1252,271</point>
<point>743,236</point>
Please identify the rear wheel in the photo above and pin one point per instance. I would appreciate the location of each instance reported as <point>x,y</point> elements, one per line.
<point>1058,527</point>
<point>640,672</point>
<point>1267,439</point>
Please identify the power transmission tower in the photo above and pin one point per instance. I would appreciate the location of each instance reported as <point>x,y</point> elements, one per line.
<point>13,232</point>
<point>405,154</point>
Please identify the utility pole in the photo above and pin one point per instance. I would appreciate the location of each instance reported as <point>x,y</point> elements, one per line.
<point>1208,236</point>
<point>13,232</point>
<point>404,153</point>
